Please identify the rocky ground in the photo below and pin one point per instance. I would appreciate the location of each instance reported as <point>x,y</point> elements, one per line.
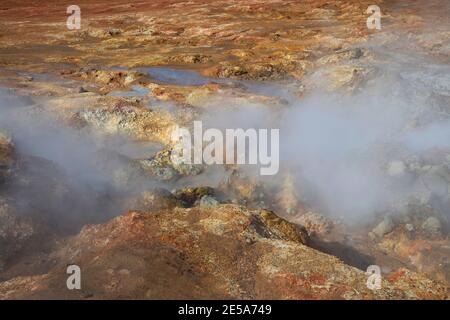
<point>85,141</point>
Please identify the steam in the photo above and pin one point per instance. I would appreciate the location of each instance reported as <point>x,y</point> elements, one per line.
<point>355,155</point>
<point>342,146</point>
<point>339,147</point>
<point>69,177</point>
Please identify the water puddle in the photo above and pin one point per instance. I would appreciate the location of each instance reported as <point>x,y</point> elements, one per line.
<point>136,91</point>
<point>52,78</point>
<point>178,76</point>
<point>167,75</point>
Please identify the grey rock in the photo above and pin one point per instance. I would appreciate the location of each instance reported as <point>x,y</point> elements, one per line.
<point>82,90</point>
<point>188,169</point>
<point>208,202</point>
<point>6,156</point>
<point>384,227</point>
<point>114,32</point>
<point>159,171</point>
<point>396,168</point>
<point>432,227</point>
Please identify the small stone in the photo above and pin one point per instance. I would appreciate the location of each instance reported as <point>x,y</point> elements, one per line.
<point>396,168</point>
<point>191,196</point>
<point>249,241</point>
<point>356,53</point>
<point>114,32</point>
<point>208,202</point>
<point>124,272</point>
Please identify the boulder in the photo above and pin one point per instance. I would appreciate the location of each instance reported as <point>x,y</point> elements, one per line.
<point>384,227</point>
<point>282,228</point>
<point>314,222</point>
<point>127,118</point>
<point>432,227</point>
<point>190,195</point>
<point>163,168</point>
<point>207,202</point>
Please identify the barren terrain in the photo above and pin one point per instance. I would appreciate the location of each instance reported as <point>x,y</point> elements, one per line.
<point>86,177</point>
